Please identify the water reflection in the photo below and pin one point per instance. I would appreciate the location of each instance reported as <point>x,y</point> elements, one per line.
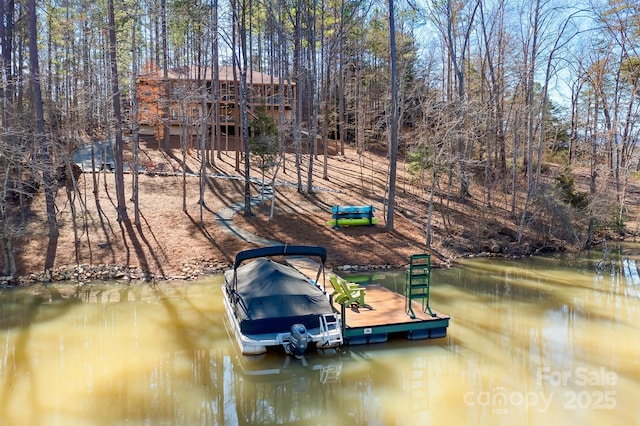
<point>551,340</point>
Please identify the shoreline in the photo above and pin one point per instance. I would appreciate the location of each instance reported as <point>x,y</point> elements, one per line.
<point>191,271</point>
<point>90,274</point>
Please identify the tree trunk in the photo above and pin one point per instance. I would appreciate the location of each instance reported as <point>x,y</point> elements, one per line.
<point>165,75</point>
<point>296,110</point>
<point>117,115</point>
<point>215,85</point>
<point>240,18</point>
<point>136,125</point>
<point>393,132</point>
<point>530,119</point>
<point>6,82</point>
<point>45,157</point>
<point>313,131</point>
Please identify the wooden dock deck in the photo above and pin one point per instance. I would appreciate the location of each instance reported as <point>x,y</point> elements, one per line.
<point>387,316</point>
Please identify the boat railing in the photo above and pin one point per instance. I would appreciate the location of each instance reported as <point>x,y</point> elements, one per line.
<point>236,300</point>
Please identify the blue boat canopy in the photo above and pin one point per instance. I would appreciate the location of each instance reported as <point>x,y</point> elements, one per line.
<point>284,250</point>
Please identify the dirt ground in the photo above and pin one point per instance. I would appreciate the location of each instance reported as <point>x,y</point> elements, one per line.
<point>174,232</point>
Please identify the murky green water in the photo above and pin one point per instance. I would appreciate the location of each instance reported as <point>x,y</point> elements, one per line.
<point>539,341</point>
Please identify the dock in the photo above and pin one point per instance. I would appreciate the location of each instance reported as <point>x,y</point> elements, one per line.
<point>387,316</point>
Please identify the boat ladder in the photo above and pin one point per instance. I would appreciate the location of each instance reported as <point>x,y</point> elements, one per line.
<point>330,330</point>
<point>417,283</point>
<point>330,373</point>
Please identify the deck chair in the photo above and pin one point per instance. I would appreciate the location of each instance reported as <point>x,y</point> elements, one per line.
<point>353,295</point>
<point>338,294</point>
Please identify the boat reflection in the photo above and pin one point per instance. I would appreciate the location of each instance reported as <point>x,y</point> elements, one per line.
<point>342,387</point>
<point>274,388</point>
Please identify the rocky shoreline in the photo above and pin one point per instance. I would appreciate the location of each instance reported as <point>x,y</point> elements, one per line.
<point>190,271</point>
<point>90,274</point>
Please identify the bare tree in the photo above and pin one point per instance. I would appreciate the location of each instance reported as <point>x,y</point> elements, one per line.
<point>117,113</point>
<point>531,62</point>
<point>240,11</point>
<point>458,59</point>
<point>14,190</point>
<point>495,118</point>
<point>135,124</point>
<point>41,140</point>
<point>393,128</point>
<point>7,83</point>
<point>622,28</point>
<point>165,75</point>
<point>296,108</point>
<point>310,10</point>
<point>215,83</point>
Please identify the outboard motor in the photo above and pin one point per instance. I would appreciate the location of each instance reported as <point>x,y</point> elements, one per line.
<point>298,340</point>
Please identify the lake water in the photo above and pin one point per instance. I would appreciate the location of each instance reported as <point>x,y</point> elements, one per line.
<point>536,341</point>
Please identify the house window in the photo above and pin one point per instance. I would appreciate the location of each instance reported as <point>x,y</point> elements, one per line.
<point>228,130</point>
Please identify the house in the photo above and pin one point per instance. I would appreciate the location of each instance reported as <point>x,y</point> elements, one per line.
<point>188,96</point>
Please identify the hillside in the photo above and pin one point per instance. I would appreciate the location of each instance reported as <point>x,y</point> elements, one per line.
<point>169,243</point>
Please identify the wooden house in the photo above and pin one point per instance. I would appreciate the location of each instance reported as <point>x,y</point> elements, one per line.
<point>188,96</point>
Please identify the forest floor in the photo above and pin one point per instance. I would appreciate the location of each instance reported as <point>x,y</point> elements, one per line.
<point>176,237</point>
